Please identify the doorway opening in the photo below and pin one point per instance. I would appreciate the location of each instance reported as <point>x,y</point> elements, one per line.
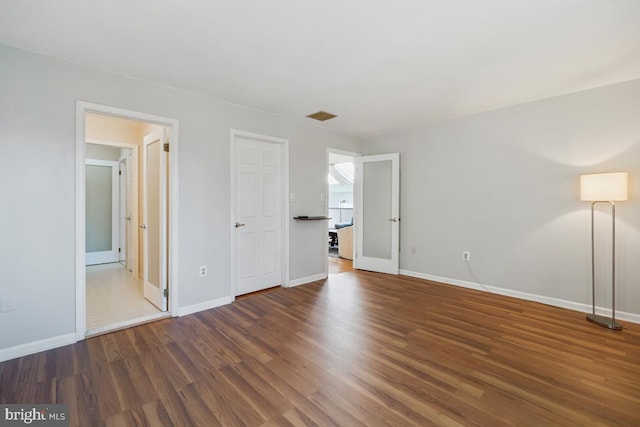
<point>340,210</point>
<point>126,216</point>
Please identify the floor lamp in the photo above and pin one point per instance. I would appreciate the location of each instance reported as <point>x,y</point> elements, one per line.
<point>604,188</point>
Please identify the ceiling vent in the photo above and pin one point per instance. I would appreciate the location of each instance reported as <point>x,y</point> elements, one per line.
<point>321,116</point>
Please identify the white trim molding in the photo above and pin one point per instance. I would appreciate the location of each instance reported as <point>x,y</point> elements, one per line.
<point>206,305</point>
<point>556,302</point>
<point>83,107</point>
<point>308,279</point>
<point>36,346</point>
<point>128,323</point>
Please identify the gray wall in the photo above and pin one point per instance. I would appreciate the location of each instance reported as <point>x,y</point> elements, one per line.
<point>37,124</point>
<point>505,186</point>
<point>502,184</point>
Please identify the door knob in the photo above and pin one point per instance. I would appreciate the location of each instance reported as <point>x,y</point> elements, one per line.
<point>143,226</point>
<point>237,225</point>
<point>128,218</point>
<point>394,219</point>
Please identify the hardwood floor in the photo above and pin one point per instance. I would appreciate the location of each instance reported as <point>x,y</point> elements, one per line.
<point>357,349</point>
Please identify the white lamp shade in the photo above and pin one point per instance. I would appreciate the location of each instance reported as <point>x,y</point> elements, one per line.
<point>604,187</point>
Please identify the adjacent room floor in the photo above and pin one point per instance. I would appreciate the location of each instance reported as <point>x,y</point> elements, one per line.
<point>114,296</point>
<point>339,265</point>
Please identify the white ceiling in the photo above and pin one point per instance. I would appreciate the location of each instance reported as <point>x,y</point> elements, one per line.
<point>380,65</point>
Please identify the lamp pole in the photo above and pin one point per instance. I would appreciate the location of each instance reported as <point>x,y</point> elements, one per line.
<point>604,188</point>
<point>593,317</point>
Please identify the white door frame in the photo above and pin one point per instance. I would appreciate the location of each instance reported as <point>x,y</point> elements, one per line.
<point>83,107</point>
<point>326,197</point>
<point>122,212</point>
<point>136,174</point>
<point>104,257</point>
<point>285,203</point>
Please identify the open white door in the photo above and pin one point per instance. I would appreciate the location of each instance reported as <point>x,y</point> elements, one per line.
<point>377,225</point>
<point>122,215</point>
<point>132,212</point>
<point>102,212</point>
<point>154,226</point>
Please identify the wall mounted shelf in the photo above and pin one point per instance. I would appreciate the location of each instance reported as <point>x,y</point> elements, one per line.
<point>310,218</point>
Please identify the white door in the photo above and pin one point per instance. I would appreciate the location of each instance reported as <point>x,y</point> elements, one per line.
<point>257,227</point>
<point>122,214</point>
<point>131,215</point>
<point>154,226</point>
<point>377,225</point>
<point>102,212</point>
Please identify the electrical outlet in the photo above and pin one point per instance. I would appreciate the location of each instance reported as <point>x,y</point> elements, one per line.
<point>466,255</point>
<point>292,197</point>
<point>412,250</point>
<point>203,270</point>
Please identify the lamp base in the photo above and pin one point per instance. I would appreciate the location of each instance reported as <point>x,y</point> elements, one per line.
<point>604,321</point>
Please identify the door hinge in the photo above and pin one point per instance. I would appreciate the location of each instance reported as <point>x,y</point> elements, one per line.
<point>119,250</point>
<point>119,172</point>
<point>166,147</point>
<point>166,293</point>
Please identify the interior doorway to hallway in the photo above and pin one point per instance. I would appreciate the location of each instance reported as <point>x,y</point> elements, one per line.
<point>123,259</point>
<point>340,210</point>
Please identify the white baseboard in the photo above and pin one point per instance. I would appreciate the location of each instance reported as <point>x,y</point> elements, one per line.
<point>308,279</point>
<point>201,306</point>
<point>556,302</point>
<point>36,346</point>
<point>62,340</point>
<point>127,324</point>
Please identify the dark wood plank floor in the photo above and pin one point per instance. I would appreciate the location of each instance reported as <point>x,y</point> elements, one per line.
<point>358,349</point>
